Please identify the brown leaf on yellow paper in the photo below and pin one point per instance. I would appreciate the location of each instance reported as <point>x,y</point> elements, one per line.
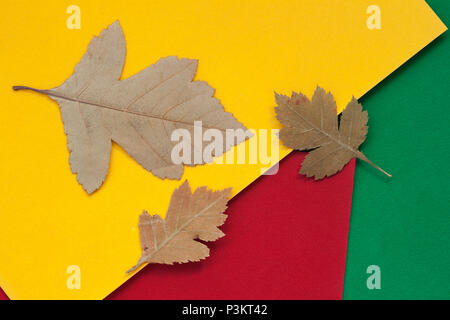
<point>314,125</point>
<point>190,216</point>
<point>139,113</point>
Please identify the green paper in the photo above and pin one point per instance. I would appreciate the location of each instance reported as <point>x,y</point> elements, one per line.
<point>402,224</point>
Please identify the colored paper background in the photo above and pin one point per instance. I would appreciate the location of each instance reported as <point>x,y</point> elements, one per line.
<point>47,220</point>
<point>403,224</point>
<point>289,242</point>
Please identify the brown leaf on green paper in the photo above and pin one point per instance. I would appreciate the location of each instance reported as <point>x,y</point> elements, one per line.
<point>314,125</point>
<point>190,216</point>
<point>139,113</point>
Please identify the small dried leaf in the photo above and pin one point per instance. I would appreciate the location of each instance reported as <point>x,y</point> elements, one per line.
<point>190,216</point>
<point>314,125</point>
<point>139,113</point>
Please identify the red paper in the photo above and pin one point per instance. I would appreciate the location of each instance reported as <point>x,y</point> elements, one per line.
<point>286,238</point>
<point>3,296</point>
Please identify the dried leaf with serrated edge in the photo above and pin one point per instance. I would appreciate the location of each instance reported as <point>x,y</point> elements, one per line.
<point>314,125</point>
<point>139,113</point>
<point>190,216</point>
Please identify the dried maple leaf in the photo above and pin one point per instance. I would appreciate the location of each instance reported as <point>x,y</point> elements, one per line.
<point>190,216</point>
<point>139,113</point>
<point>314,125</point>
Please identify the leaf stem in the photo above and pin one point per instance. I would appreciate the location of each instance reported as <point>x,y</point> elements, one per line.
<point>361,156</point>
<point>16,88</point>
<point>53,93</point>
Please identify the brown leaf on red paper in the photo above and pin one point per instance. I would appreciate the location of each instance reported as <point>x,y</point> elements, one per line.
<point>190,217</point>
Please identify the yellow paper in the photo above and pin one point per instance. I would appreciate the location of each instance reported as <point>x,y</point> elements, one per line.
<point>247,50</point>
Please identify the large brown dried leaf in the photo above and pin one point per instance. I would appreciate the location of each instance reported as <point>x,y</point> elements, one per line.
<point>314,125</point>
<point>190,216</point>
<point>139,113</point>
